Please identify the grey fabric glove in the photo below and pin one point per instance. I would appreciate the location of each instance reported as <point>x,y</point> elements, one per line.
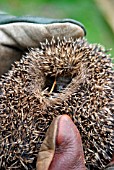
<point>17,34</point>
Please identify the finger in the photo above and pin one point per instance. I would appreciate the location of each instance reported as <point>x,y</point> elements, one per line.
<point>61,149</point>
<point>68,153</point>
<point>8,19</point>
<point>24,35</point>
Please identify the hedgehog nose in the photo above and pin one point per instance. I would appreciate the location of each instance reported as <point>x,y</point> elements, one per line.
<point>57,84</point>
<point>62,82</point>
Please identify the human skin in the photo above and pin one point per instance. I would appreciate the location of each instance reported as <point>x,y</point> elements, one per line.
<point>62,148</point>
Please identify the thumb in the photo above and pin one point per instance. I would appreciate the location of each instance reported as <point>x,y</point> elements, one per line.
<point>67,150</point>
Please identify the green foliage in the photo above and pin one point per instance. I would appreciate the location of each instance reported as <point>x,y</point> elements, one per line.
<point>84,11</point>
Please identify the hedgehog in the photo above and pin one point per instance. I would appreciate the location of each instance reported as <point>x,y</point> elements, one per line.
<point>68,76</point>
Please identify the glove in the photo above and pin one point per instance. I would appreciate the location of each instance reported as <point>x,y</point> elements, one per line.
<point>17,34</point>
<point>62,147</point>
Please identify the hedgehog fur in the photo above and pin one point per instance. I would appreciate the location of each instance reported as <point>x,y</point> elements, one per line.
<point>61,77</point>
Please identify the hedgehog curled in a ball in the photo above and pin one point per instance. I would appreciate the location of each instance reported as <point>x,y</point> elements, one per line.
<point>62,76</point>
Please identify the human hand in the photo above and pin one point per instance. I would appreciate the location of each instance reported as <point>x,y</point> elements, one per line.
<point>17,34</point>
<point>62,147</point>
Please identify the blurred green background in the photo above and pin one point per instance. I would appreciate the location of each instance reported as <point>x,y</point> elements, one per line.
<point>84,11</point>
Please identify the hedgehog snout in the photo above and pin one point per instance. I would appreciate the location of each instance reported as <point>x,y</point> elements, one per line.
<point>57,84</point>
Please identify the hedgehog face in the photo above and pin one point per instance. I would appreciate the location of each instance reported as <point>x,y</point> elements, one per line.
<point>62,77</point>
<point>59,67</point>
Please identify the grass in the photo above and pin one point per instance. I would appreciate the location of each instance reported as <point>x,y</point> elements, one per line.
<point>86,12</point>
